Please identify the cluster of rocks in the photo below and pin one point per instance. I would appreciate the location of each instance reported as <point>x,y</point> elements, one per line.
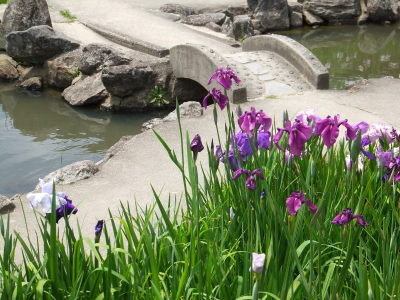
<point>95,74</point>
<point>262,16</point>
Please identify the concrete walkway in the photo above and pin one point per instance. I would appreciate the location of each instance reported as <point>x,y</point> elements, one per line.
<point>143,161</point>
<point>135,20</point>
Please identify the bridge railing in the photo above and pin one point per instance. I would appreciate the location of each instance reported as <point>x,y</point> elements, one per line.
<point>295,53</point>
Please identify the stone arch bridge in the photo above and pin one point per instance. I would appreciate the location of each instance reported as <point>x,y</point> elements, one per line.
<point>268,65</point>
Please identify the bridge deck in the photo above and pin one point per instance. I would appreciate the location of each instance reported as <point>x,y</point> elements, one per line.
<point>266,73</point>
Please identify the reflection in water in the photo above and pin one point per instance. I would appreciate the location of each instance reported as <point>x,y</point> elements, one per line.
<point>39,133</point>
<point>352,52</point>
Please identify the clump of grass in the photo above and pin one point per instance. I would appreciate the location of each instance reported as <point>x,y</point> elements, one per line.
<point>68,15</point>
<point>204,251</point>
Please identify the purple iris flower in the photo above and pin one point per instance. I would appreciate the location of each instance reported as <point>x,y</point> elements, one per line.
<point>380,131</point>
<point>264,139</point>
<point>250,181</point>
<point>242,143</point>
<point>346,216</point>
<point>307,116</point>
<point>328,129</point>
<point>99,227</point>
<point>296,200</point>
<point>234,163</point>
<point>218,97</point>
<point>196,145</point>
<point>254,120</point>
<point>299,134</point>
<point>393,170</point>
<point>224,77</point>
<point>65,209</point>
<point>365,141</point>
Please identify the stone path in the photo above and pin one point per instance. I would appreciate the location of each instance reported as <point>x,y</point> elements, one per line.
<point>267,73</point>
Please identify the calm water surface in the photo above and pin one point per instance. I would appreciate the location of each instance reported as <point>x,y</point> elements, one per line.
<point>352,52</point>
<point>40,133</point>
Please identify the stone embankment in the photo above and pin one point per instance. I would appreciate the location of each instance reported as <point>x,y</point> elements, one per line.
<point>263,16</point>
<point>99,75</point>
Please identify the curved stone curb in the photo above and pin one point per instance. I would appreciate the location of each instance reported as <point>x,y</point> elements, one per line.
<point>298,55</point>
<point>197,62</point>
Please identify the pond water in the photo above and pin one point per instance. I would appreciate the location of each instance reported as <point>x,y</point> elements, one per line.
<point>353,52</point>
<point>40,133</point>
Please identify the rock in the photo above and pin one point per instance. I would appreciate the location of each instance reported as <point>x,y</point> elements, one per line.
<point>8,68</point>
<point>95,57</point>
<point>6,205</point>
<point>203,19</point>
<point>312,19</point>
<point>190,109</point>
<point>242,28</point>
<point>73,172</point>
<point>296,19</point>
<point>151,124</point>
<point>383,10</point>
<point>37,44</point>
<point>233,11</point>
<point>295,7</point>
<point>252,4</point>
<point>23,14</point>
<point>334,11</point>
<point>214,27</point>
<point>123,80</point>
<point>227,26</point>
<point>272,14</point>
<point>87,90</point>
<point>32,84</point>
<point>62,69</point>
<point>179,9</point>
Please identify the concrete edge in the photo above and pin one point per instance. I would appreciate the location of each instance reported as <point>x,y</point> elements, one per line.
<point>129,42</point>
<point>198,63</point>
<point>298,55</point>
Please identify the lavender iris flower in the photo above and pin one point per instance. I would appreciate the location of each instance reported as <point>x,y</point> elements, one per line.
<point>380,131</point>
<point>257,262</point>
<point>196,145</point>
<point>365,141</point>
<point>218,97</point>
<point>328,129</point>
<point>346,216</point>
<point>307,116</point>
<point>296,200</point>
<point>263,139</point>
<point>234,163</point>
<point>250,180</point>
<point>65,209</point>
<point>393,170</point>
<point>224,77</point>
<point>299,134</point>
<point>242,143</point>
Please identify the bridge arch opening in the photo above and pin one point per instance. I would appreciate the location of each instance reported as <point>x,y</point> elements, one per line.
<point>185,89</point>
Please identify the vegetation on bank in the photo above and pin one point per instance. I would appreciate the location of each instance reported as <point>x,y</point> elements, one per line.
<point>292,212</point>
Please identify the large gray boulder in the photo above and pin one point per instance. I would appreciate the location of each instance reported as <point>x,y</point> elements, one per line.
<point>6,205</point>
<point>37,44</point>
<point>62,69</point>
<point>272,15</point>
<point>8,68</point>
<point>296,19</point>
<point>72,173</point>
<point>23,14</point>
<point>86,90</point>
<point>123,81</point>
<point>383,10</point>
<point>242,27</point>
<point>203,19</point>
<point>334,11</point>
<point>95,57</point>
